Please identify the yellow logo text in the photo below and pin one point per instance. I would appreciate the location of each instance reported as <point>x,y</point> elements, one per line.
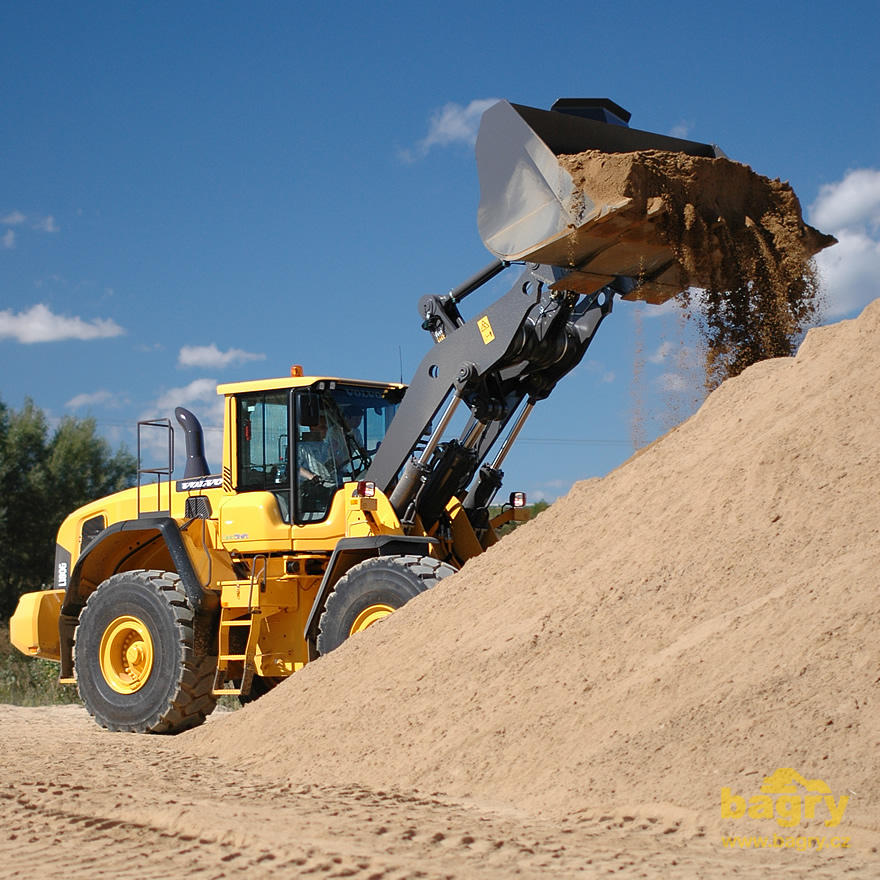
<point>789,798</point>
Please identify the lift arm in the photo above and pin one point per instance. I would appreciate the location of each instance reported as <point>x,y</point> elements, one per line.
<point>515,350</point>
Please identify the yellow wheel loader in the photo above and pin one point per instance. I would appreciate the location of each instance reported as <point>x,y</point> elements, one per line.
<point>341,499</point>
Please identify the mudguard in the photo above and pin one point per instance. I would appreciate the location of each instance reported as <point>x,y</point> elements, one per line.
<point>139,533</point>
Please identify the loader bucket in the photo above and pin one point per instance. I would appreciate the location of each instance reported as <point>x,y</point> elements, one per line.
<point>530,209</point>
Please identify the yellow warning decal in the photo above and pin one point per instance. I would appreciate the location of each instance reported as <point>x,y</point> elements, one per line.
<point>485,329</point>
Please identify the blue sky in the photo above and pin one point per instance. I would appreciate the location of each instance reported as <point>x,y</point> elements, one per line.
<point>195,193</point>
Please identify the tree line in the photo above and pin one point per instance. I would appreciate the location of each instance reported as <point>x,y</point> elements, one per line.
<point>45,474</point>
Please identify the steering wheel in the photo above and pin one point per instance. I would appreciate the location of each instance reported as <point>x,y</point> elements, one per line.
<point>315,493</point>
<point>359,459</point>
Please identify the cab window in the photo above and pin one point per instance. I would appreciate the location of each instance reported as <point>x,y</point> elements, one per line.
<point>263,441</point>
<point>330,438</point>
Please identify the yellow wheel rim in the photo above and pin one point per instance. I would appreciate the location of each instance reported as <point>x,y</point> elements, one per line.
<point>369,616</point>
<point>126,654</point>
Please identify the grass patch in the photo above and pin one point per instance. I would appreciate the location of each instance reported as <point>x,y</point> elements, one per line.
<point>30,681</point>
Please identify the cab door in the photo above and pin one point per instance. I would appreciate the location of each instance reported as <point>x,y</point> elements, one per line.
<point>257,517</point>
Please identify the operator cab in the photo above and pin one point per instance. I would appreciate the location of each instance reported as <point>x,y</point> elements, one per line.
<point>303,443</point>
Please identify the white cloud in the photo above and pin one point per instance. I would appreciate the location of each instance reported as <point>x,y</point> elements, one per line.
<point>9,239</point>
<point>200,396</point>
<point>661,353</point>
<point>666,308</point>
<point>682,130</point>
<point>47,224</point>
<point>673,382</point>
<point>851,203</point>
<point>548,491</point>
<point>55,278</point>
<point>16,218</point>
<point>94,398</point>
<point>198,391</point>
<point>40,324</point>
<point>850,270</point>
<point>451,124</point>
<point>849,273</point>
<point>596,368</point>
<point>210,356</point>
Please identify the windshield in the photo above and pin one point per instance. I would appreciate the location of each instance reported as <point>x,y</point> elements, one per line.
<point>338,432</point>
<point>363,416</point>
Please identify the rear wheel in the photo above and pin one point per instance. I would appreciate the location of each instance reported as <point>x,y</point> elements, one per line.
<point>138,668</point>
<point>373,589</point>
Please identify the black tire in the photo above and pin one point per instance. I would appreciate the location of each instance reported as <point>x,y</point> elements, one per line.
<point>377,583</point>
<point>130,616</point>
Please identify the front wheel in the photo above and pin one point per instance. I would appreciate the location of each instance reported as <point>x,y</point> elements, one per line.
<point>371,590</point>
<point>138,668</point>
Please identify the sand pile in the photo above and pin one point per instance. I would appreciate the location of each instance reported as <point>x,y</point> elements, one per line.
<point>720,217</point>
<point>702,616</point>
<point>736,235</point>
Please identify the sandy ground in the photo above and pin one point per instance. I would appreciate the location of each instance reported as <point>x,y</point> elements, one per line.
<point>77,801</point>
<point>672,672</point>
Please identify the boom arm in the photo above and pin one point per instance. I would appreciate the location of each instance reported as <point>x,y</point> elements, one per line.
<point>515,350</point>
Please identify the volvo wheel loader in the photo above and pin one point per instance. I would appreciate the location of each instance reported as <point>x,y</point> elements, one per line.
<point>341,499</point>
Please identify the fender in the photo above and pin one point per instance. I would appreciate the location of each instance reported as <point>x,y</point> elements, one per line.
<point>139,534</point>
<point>349,552</point>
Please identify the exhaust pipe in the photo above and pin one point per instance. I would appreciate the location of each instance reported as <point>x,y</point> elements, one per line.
<point>196,463</point>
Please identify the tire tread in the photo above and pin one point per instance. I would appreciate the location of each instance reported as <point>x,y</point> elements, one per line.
<point>421,574</point>
<point>191,700</point>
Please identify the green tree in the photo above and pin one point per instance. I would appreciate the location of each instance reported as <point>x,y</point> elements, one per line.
<point>43,477</point>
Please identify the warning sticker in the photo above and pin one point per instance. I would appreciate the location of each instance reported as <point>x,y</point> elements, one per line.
<point>485,329</point>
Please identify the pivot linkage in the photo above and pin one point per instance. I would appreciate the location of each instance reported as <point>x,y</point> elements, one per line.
<point>500,363</point>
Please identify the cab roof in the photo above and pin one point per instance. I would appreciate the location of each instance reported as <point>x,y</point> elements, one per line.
<point>299,382</point>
